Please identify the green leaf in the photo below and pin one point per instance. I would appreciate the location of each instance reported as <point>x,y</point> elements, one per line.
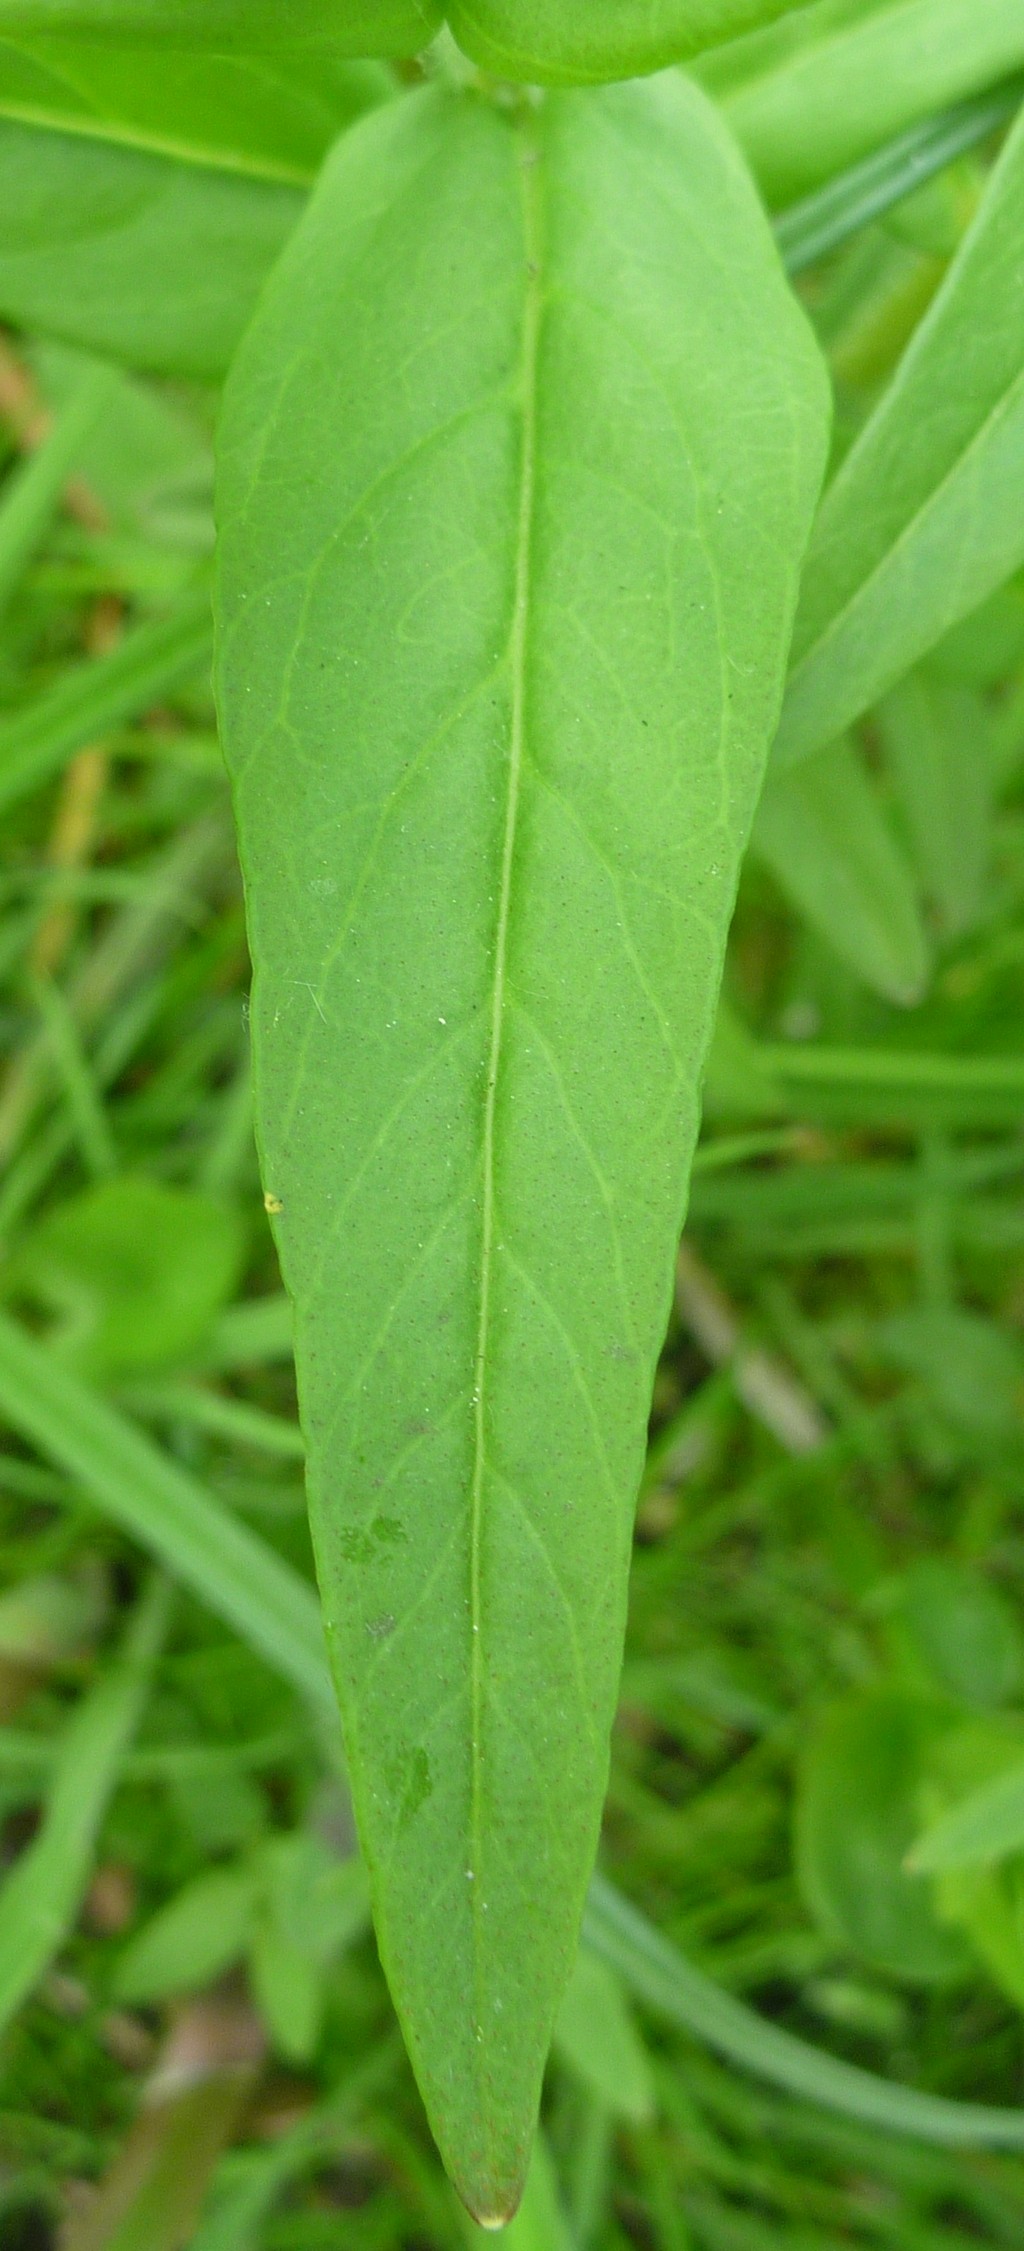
<point>242,2200</point>
<point>572,43</point>
<point>937,746</point>
<point>987,1905</point>
<point>138,1270</point>
<point>202,1931</point>
<point>42,1894</point>
<point>856,1818</point>
<point>132,255</point>
<point>266,1602</point>
<point>346,27</point>
<point>882,182</point>
<point>540,2223</point>
<point>539,591</point>
<point>972,1368</point>
<point>660,1976</point>
<point>90,698</point>
<point>983,1895</point>
<point>957,1630</point>
<point>271,116</point>
<point>823,833</point>
<point>31,495</point>
<point>595,2034</point>
<point>984,647</point>
<point>318,1903</point>
<point>288,1989</point>
<point>935,473</point>
<point>862,79</point>
<point>983,1828</point>
<point>891,1085</point>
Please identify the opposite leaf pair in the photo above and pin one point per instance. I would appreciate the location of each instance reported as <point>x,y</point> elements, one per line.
<point>557,42</point>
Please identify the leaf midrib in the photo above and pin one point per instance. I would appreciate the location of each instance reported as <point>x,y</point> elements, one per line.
<point>192,156</point>
<point>529,170</point>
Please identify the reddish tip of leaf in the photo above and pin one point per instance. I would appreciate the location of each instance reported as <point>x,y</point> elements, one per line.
<point>493,2199</point>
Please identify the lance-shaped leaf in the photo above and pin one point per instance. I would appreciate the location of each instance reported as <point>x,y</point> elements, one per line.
<point>924,518</point>
<point>824,834</point>
<point>144,207</point>
<point>517,463</point>
<point>346,27</point>
<point>134,255</point>
<point>572,42</point>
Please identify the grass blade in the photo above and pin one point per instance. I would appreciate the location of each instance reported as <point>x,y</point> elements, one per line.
<point>273,1609</point>
<point>658,1974</point>
<point>32,493</point>
<point>241,1578</point>
<point>933,473</point>
<point>896,1084</point>
<point>40,1898</point>
<point>237,2213</point>
<point>835,98</point>
<point>823,831</point>
<point>981,1829</point>
<point>821,223</point>
<point>223,1418</point>
<point>88,701</point>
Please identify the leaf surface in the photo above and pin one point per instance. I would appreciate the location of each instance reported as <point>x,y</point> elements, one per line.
<point>509,516</point>
<point>823,833</point>
<point>596,2035</point>
<point>981,1829</point>
<point>271,116</point>
<point>193,1939</point>
<point>869,75</point>
<point>935,474</point>
<point>347,27</point>
<point>856,1818</point>
<point>937,740</point>
<point>131,254</point>
<point>570,42</point>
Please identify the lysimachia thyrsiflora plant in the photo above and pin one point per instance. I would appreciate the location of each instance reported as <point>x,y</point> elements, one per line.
<point>521,443</point>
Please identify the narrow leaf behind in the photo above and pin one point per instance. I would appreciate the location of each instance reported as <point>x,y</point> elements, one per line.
<point>517,465</point>
<point>824,834</point>
<point>269,116</point>
<point>41,1894</point>
<point>132,254</point>
<point>347,27</point>
<point>935,474</point>
<point>871,73</point>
